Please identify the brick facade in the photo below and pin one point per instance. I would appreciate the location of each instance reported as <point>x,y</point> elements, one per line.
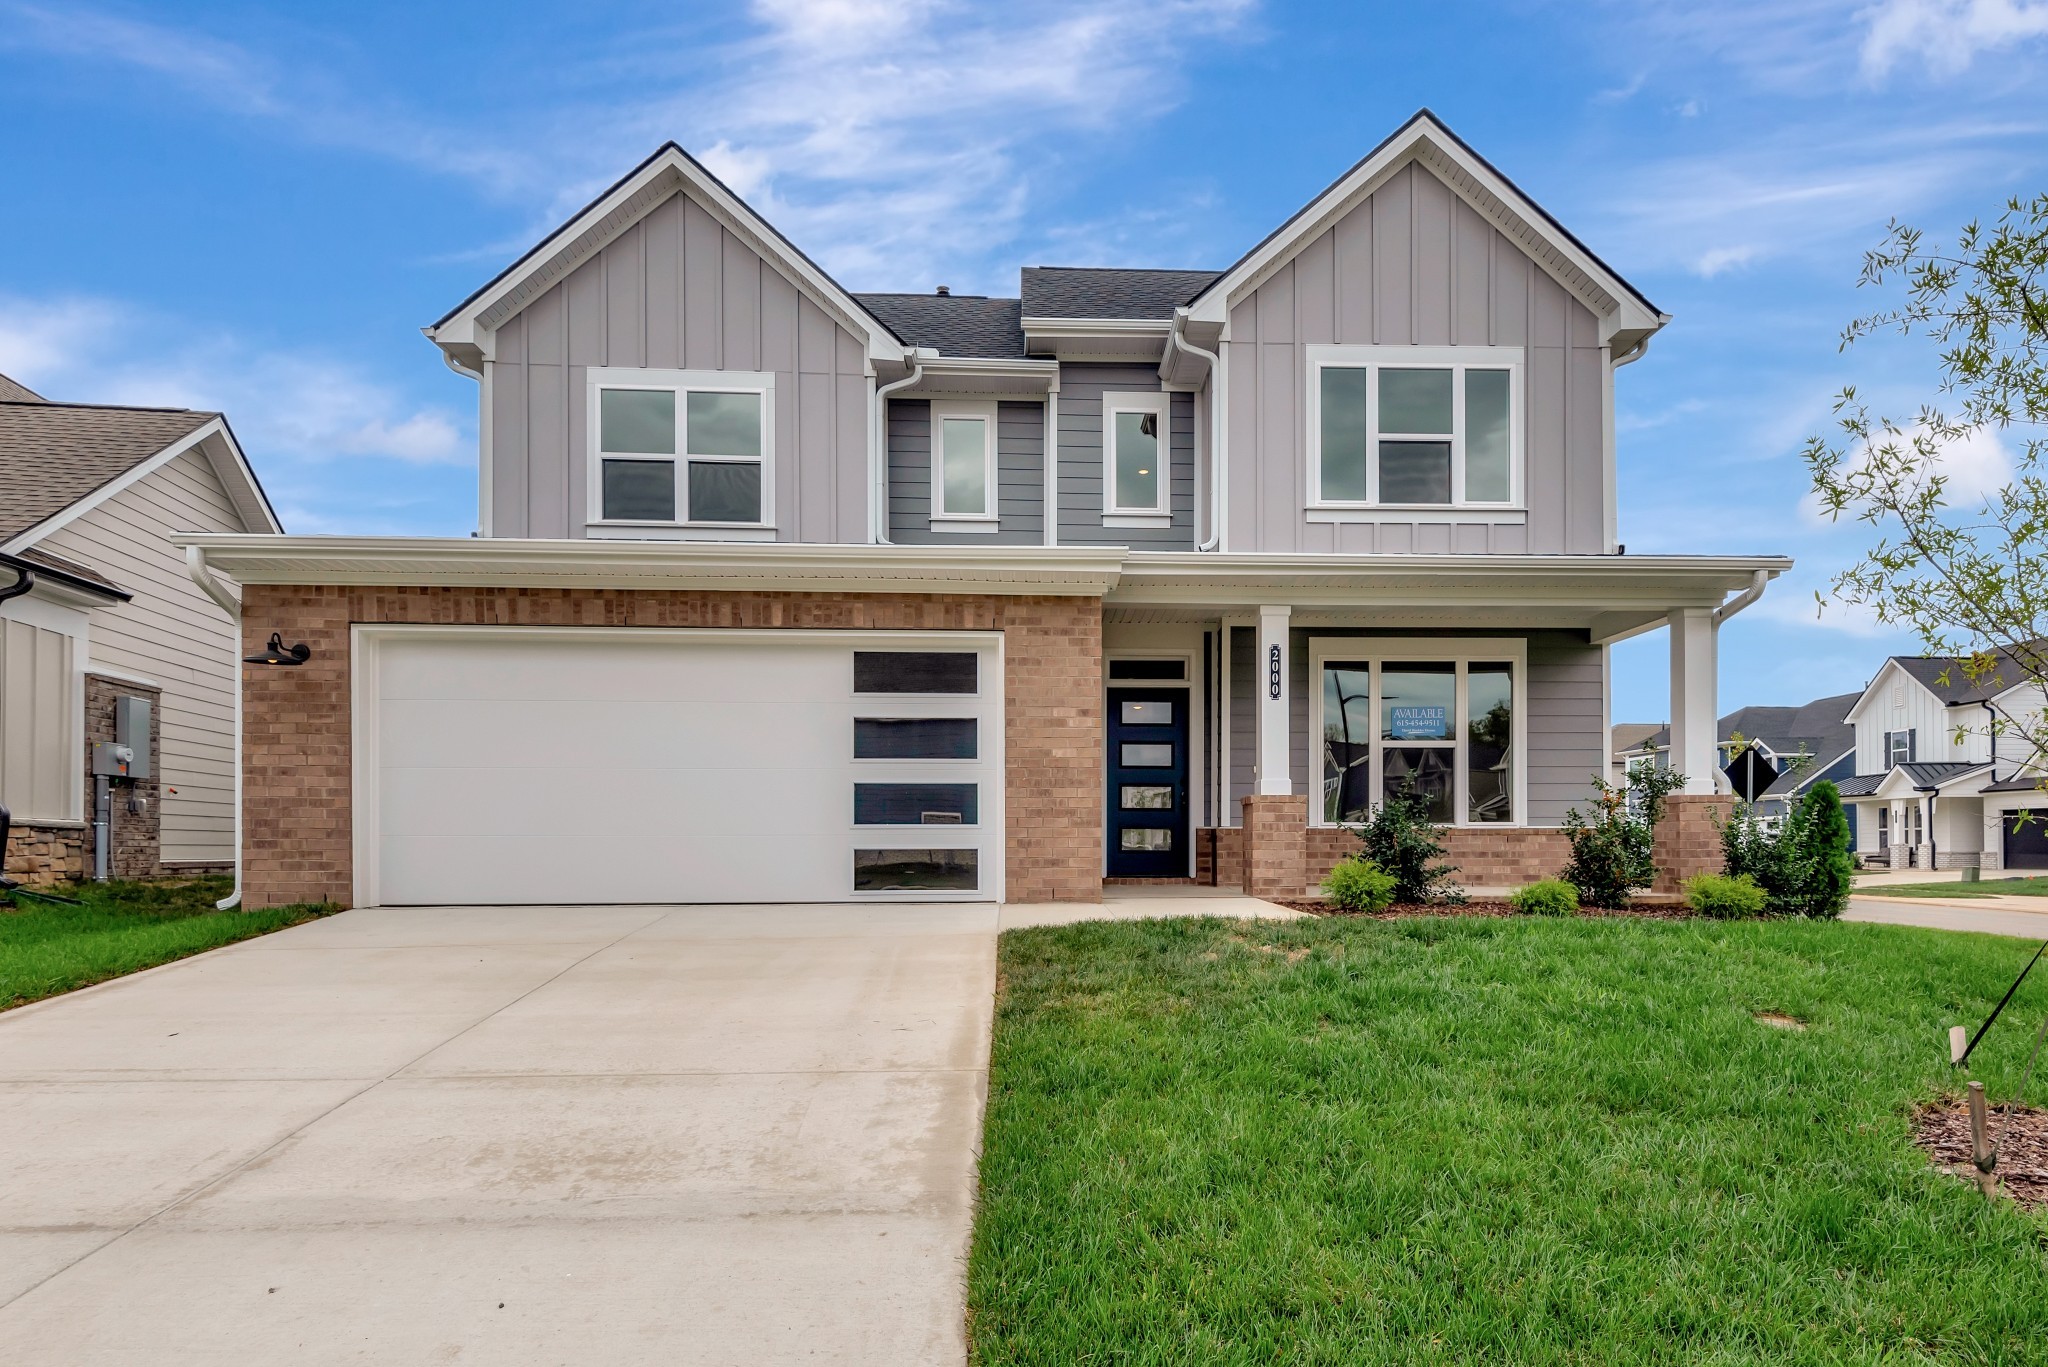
<point>1689,837</point>
<point>1275,845</point>
<point>137,835</point>
<point>297,839</point>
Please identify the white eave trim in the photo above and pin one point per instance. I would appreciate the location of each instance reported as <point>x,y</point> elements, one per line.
<point>1099,327</point>
<point>1490,194</point>
<point>669,171</point>
<point>770,567</point>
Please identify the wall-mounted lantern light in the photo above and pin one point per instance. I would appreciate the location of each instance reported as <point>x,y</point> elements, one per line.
<point>277,653</point>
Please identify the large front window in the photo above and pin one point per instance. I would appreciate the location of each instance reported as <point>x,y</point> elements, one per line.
<point>1441,730</point>
<point>1413,427</point>
<point>681,447</point>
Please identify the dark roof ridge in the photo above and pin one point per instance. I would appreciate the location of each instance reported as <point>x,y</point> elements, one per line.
<point>1156,270</point>
<point>112,407</point>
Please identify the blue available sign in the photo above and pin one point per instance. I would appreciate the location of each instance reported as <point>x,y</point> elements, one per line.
<point>1420,723</point>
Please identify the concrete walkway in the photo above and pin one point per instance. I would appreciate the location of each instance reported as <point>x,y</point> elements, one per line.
<point>2025,917</point>
<point>532,1135</point>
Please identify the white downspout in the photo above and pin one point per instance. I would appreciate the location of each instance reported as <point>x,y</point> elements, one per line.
<point>881,448</point>
<point>483,436</point>
<point>1744,598</point>
<point>1218,411</point>
<point>195,565</point>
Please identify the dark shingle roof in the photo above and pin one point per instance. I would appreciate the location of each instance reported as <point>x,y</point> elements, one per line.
<point>2018,783</point>
<point>1820,726</point>
<point>1862,785</point>
<point>952,324</point>
<point>83,576</point>
<point>54,454</point>
<point>2005,673</point>
<point>14,391</point>
<point>1102,292</point>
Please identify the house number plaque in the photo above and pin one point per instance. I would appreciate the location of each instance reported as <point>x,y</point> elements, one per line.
<point>1273,671</point>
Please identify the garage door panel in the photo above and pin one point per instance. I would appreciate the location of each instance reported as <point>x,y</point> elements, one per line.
<point>611,672</point>
<point>518,870</point>
<point>655,767</point>
<point>612,734</point>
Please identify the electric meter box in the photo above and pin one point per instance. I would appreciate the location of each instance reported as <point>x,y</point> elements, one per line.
<point>131,730</point>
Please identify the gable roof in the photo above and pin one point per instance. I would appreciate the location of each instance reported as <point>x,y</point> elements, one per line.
<point>58,457</point>
<point>952,324</point>
<point>1822,726</point>
<point>667,172</point>
<point>2006,672</point>
<point>14,391</point>
<point>1626,316</point>
<point>71,574</point>
<point>1109,292</point>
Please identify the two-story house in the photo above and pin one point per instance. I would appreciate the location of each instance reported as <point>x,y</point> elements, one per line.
<point>1943,779</point>
<point>788,593</point>
<point>1771,755</point>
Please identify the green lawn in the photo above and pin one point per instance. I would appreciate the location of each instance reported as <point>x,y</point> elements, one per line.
<point>1493,1140</point>
<point>47,949</point>
<point>1987,887</point>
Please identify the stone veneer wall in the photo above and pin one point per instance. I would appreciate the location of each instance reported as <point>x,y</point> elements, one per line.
<point>297,843</point>
<point>45,852</point>
<point>41,853</point>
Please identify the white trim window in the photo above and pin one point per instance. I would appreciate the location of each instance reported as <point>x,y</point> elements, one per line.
<point>1137,456</point>
<point>1414,427</point>
<point>692,448</point>
<point>963,466</point>
<point>1446,720</point>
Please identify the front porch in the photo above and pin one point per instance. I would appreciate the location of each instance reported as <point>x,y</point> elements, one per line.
<point>1293,694</point>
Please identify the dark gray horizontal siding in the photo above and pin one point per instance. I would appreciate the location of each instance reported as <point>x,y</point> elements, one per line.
<point>1082,385</point>
<point>1020,477</point>
<point>1244,721</point>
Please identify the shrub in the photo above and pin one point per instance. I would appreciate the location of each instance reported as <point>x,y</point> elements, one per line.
<point>1724,898</point>
<point>1545,897</point>
<point>1804,866</point>
<point>1401,841</point>
<point>1359,885</point>
<point>1612,841</point>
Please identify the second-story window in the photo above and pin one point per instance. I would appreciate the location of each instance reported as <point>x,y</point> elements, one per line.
<point>1136,446</point>
<point>681,447</point>
<point>1418,427</point>
<point>964,462</point>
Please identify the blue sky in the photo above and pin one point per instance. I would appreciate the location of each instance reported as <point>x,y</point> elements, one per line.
<point>255,208</point>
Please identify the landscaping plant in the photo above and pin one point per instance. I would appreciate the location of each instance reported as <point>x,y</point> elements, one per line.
<point>1358,884</point>
<point>1803,866</point>
<point>1400,840</point>
<point>1545,897</point>
<point>1725,897</point>
<point>1612,842</point>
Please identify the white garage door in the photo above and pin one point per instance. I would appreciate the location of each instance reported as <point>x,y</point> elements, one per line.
<point>565,765</point>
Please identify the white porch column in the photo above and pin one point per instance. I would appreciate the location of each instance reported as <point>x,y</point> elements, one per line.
<point>1270,679</point>
<point>1694,714</point>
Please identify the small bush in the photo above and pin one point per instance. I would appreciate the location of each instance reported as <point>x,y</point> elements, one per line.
<point>1612,841</point>
<point>1399,838</point>
<point>1803,864</point>
<point>1545,897</point>
<point>1360,885</point>
<point>1724,898</point>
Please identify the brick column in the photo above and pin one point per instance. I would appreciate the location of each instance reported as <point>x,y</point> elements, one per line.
<point>1689,837</point>
<point>1275,845</point>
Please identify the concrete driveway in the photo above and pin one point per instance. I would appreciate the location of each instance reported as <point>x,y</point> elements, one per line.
<point>526,1135</point>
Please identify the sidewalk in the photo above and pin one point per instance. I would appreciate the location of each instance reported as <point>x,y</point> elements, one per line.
<point>2025,917</point>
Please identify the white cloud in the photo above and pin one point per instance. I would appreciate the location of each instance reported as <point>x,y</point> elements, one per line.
<point>1976,465</point>
<point>1943,37</point>
<point>302,407</point>
<point>1715,260</point>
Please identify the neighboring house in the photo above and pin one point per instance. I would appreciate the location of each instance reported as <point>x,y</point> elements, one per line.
<point>90,496</point>
<point>1801,745</point>
<point>786,593</point>
<point>1935,788</point>
<point>1624,745</point>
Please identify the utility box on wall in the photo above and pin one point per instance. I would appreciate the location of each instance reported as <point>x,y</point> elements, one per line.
<point>131,728</point>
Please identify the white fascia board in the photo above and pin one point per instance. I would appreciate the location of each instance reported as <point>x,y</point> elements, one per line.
<point>1876,685</point>
<point>1479,185</point>
<point>239,479</point>
<point>1098,327</point>
<point>1006,377</point>
<point>771,566</point>
<point>127,479</point>
<point>669,171</point>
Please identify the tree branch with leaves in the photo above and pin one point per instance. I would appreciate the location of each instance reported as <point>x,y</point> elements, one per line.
<point>1966,576</point>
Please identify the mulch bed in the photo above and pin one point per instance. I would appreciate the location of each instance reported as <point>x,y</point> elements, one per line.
<point>1943,1130</point>
<point>1651,911</point>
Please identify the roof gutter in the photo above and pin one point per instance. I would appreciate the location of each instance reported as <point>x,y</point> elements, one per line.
<point>23,584</point>
<point>1743,599</point>
<point>195,565</point>
<point>878,460</point>
<point>1218,410</point>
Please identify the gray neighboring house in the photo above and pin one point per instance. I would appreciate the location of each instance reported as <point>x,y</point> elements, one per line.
<point>1804,744</point>
<point>90,496</point>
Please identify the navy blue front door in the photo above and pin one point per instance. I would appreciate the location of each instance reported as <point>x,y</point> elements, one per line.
<point>1148,782</point>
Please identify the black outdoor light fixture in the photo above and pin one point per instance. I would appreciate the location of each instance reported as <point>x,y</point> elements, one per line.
<point>278,653</point>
